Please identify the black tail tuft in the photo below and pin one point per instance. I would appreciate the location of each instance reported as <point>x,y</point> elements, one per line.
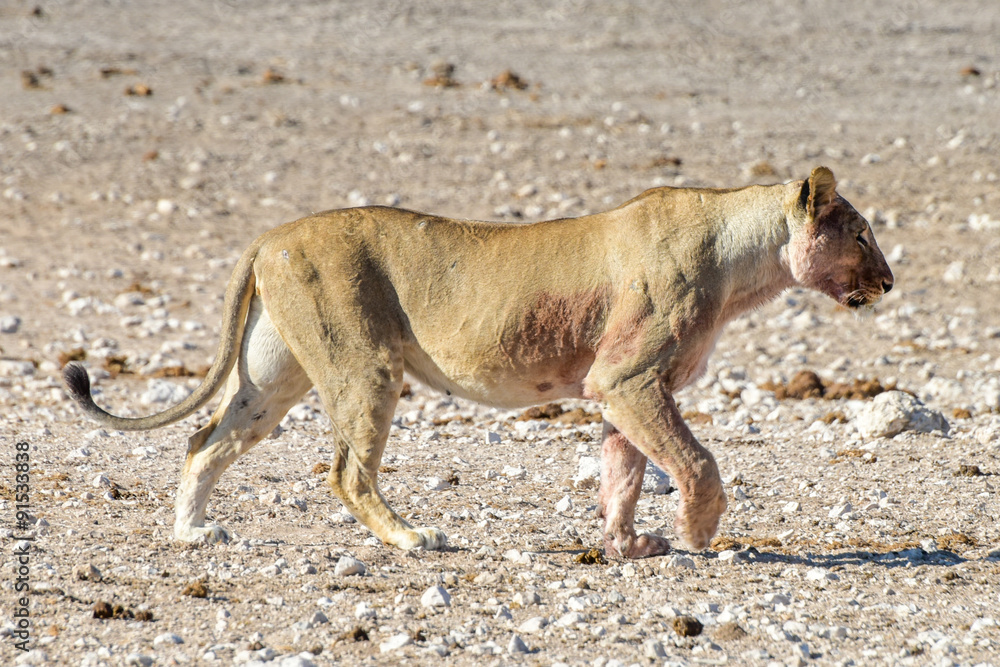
<point>77,382</point>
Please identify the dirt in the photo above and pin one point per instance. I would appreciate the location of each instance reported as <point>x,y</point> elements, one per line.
<point>144,145</point>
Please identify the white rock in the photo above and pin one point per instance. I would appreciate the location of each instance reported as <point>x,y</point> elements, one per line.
<point>570,619</point>
<point>840,510</point>
<point>101,481</point>
<point>165,207</point>
<point>435,596</point>
<point>954,273</point>
<point>819,574</point>
<point>533,625</point>
<point>653,649</point>
<point>79,453</point>
<point>138,659</point>
<point>565,504</point>
<point>588,468</point>
<point>364,611</point>
<point>15,368</point>
<point>270,498</point>
<point>677,562</point>
<point>161,391</point>
<point>516,645</point>
<point>395,642</point>
<point>318,618</point>
<point>436,484</point>
<point>776,598</point>
<point>167,638</point>
<point>893,412</point>
<point>493,438</point>
<point>512,472</point>
<point>9,324</point>
<point>35,656</point>
<point>347,566</point>
<point>792,507</point>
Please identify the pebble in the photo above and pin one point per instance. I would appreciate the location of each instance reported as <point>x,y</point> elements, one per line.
<point>516,645</point>
<point>15,368</point>
<point>395,642</point>
<point>570,619</point>
<point>589,468</point>
<point>364,611</point>
<point>10,324</point>
<point>87,572</point>
<point>533,625</point>
<point>35,656</point>
<point>347,566</point>
<point>893,412</point>
<point>435,596</point>
<point>493,438</point>
<point>167,638</point>
<point>840,510</point>
<point>565,504</point>
<point>792,507</point>
<point>101,481</point>
<point>161,391</point>
<point>138,659</point>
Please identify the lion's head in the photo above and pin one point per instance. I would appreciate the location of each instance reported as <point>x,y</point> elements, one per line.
<point>832,248</point>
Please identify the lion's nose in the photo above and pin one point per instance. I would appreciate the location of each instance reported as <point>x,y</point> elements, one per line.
<point>886,287</point>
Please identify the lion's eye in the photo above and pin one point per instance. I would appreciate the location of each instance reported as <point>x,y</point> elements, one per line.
<point>862,241</point>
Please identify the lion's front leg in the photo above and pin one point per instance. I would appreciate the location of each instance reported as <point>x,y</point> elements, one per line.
<point>622,468</point>
<point>645,413</point>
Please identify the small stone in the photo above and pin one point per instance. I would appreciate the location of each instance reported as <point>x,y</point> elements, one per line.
<point>395,642</point>
<point>792,507</point>
<point>138,659</point>
<point>840,510</point>
<point>570,619</point>
<point>435,596</point>
<point>677,562</point>
<point>436,484</point>
<point>165,207</point>
<point>318,618</point>
<point>364,611</point>
<point>588,470</point>
<point>87,572</point>
<point>654,649</point>
<point>35,656</point>
<point>893,412</point>
<point>493,438</point>
<point>516,645</point>
<point>533,625</point>
<point>564,505</point>
<point>347,566</point>
<point>101,481</point>
<point>167,638</point>
<point>10,324</point>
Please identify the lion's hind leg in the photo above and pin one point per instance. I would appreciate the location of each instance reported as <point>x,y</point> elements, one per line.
<point>361,411</point>
<point>622,468</point>
<point>264,384</point>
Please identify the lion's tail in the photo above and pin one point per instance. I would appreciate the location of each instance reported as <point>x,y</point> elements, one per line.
<point>238,294</point>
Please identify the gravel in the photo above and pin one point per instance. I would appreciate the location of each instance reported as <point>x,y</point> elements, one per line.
<point>861,528</point>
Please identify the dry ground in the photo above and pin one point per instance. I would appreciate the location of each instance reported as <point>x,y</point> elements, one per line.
<point>143,145</point>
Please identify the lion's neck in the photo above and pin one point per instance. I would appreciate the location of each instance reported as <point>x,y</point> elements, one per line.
<point>749,245</point>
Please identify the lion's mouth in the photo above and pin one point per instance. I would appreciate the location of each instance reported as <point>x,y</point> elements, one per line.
<point>862,298</point>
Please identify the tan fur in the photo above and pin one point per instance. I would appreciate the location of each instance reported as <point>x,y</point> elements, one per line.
<point>622,307</point>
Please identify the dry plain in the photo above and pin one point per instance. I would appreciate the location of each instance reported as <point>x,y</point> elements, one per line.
<point>144,145</point>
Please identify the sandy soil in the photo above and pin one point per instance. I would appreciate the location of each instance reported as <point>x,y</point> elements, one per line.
<point>141,149</point>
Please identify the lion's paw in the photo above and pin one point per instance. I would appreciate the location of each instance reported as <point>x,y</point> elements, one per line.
<point>696,523</point>
<point>210,534</point>
<point>431,539</point>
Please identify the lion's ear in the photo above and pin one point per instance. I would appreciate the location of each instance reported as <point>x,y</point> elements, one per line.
<point>818,191</point>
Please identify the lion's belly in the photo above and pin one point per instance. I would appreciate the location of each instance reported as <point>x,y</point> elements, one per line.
<point>494,380</point>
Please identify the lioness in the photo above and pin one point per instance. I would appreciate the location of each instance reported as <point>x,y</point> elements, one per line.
<point>622,308</point>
